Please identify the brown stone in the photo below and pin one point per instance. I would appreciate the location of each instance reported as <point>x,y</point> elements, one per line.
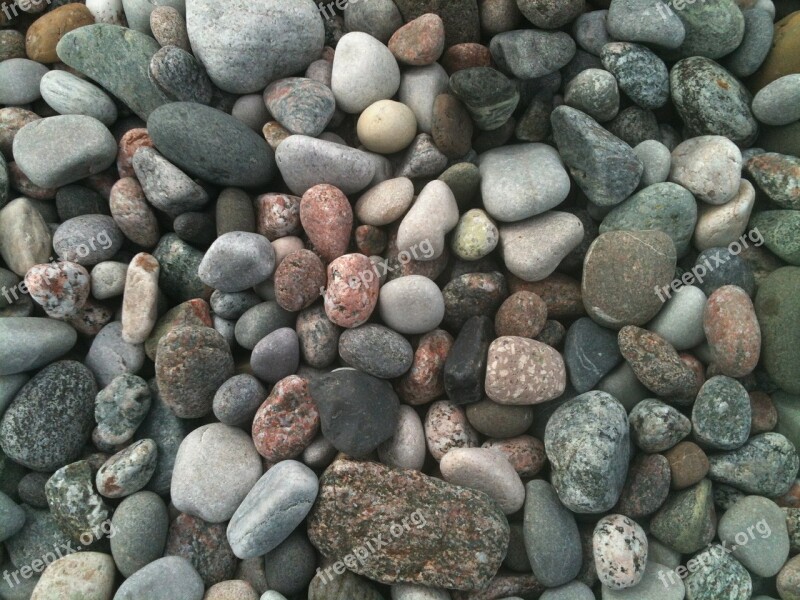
<point>370,240</point>
<point>464,56</point>
<point>788,582</point>
<point>359,501</point>
<point>169,27</point>
<point>46,31</point>
<point>191,312</point>
<point>656,363</point>
<point>129,143</point>
<point>732,331</point>
<point>424,381</point>
<point>91,318</point>
<point>763,411</point>
<point>784,58</point>
<point>451,127</point>
<point>298,280</point>
<point>688,464</point>
<point>523,314</point>
<point>646,487</point>
<point>12,119</point>
<point>132,213</point>
<point>561,293</point>
<point>419,42</point>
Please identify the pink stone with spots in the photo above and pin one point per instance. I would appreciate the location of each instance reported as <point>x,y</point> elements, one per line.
<point>61,288</point>
<point>732,331</point>
<point>619,546</point>
<point>352,291</point>
<point>327,218</point>
<point>523,371</point>
<point>447,427</point>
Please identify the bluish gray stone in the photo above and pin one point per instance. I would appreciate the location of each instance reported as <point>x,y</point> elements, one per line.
<point>755,529</point>
<point>290,567</point>
<point>656,427</point>
<point>656,159</point>
<point>119,409</point>
<point>27,343</point>
<point>646,22</point>
<point>12,517</point>
<point>591,32</point>
<point>766,465</point>
<point>167,431</point>
<point>758,33</point>
<point>88,239</point>
<point>714,28</point>
<point>778,103</point>
<point>59,150</point>
<point>110,355</point>
<point>70,95</point>
<point>259,321</point>
<point>237,261</point>
<point>19,81</point>
<point>719,575</point>
<point>140,525</point>
<point>529,53</point>
<point>595,92</point>
<point>168,578</point>
<point>238,399</point>
<point>376,350</point>
<point>590,353</point>
<point>724,268</point>
<point>165,186</point>
<point>273,508</point>
<point>276,356</point>
<point>178,74</point>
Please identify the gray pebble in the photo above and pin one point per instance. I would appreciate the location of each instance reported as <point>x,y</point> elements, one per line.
<point>364,71</point>
<point>778,103</point>
<point>595,92</point>
<point>529,53</point>
<point>165,185</point>
<point>290,567</point>
<point>376,350</point>
<point>238,399</point>
<point>656,158</point>
<point>110,355</point>
<point>237,261</point>
<point>759,30</point>
<point>71,95</point>
<point>108,279</point>
<point>88,239</point>
<point>656,427</point>
<point>259,321</point>
<point>276,356</point>
<point>140,527</point>
<point>168,578</point>
<point>119,409</point>
<point>645,21</point>
<point>167,431</point>
<point>12,517</point>
<point>128,470</point>
<point>419,87</point>
<point>591,32</point>
<point>412,304</point>
<point>19,81</point>
<point>641,74</point>
<point>32,342</point>
<point>178,74</point>
<point>318,336</point>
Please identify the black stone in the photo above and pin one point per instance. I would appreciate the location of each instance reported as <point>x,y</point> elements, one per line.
<point>465,367</point>
<point>590,353</point>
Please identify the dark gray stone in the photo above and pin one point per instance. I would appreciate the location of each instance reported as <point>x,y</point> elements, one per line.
<point>590,353</point>
<point>465,367</point>
<point>178,74</point>
<point>641,74</point>
<point>376,350</point>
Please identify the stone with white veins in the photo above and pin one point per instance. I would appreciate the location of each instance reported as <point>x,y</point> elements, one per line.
<point>246,45</point>
<point>71,95</point>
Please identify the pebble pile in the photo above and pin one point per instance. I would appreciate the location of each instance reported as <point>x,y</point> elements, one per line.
<point>399,299</point>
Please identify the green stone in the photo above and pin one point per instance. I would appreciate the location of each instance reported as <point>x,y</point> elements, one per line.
<point>686,522</point>
<point>720,576</point>
<point>714,28</point>
<point>781,232</point>
<point>76,507</point>
<point>464,180</point>
<point>117,58</point>
<point>179,263</point>
<point>785,139</point>
<point>665,207</point>
<point>779,176</point>
<point>778,310</point>
<point>475,235</point>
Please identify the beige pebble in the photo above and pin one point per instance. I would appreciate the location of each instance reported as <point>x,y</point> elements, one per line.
<point>140,300</point>
<point>486,470</point>
<point>385,202</point>
<point>720,225</point>
<point>386,126</point>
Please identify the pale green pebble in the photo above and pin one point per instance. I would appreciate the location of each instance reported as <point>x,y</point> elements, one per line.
<point>475,235</point>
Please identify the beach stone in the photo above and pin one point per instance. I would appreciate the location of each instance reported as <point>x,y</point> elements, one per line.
<point>234,212</point>
<point>777,228</point>
<point>169,27</point>
<point>76,507</point>
<point>549,15</point>
<point>180,76</point>
<point>192,312</point>
<point>21,79</point>
<point>357,83</point>
<point>475,236</point>
<point>12,44</point>
<point>411,304</point>
<point>721,415</point>
<point>110,355</point>
<point>132,214</point>
<point>574,590</point>
<point>663,207</point>
<point>777,176</point>
<point>204,545</point>
<point>60,289</point>
<point>237,261</point>
<point>552,540</point>
<point>788,581</point>
<point>590,31</point>
<point>713,29</point>
<point>761,557</point>
<point>485,470</point>
<point>419,88</point>
<point>615,297</point>
<point>298,280</point>
<point>775,103</point>
<point>118,59</point>
<point>87,575</point>
<point>489,96</point>
<point>711,101</point>
<point>465,366</point>
<point>191,363</point>
<point>119,409</point>
<point>521,181</point>
<point>274,507</point>
<point>259,321</point>
<point>422,159</point>
<point>590,352</point>
<point>277,215</point>
<point>88,239</point>
<point>595,92</point>
<point>379,19</point>
<point>620,551</point>
<point>171,577</point>
<point>472,294</point>
<point>451,126</point>
<point>348,169</point>
<point>386,126</point>
<point>420,41</point>
<point>645,21</point>
<point>238,399</point>
<point>646,487</point>
<point>376,350</point>
<point>303,106</point>
<point>447,427</point>
<point>230,466</point>
<point>385,202</point>
<point>276,356</point>
<point>232,305</point>
<point>587,148</point>
<point>140,301</point>
<point>719,573</point>
<point>499,420</point>
<point>427,504</point>
<point>772,465</point>
<point>656,159</point>
<point>239,43</point>
<point>529,53</point>
<point>59,150</point>
<point>756,44</point>
<point>286,422</point>
<point>732,330</point>
<point>776,311</point>
<point>522,314</point>
<point>183,132</point>
<point>419,228</point>
<point>231,590</point>
<point>68,94</point>
<point>406,448</point>
<point>709,166</point>
<point>523,371</point>
<point>640,73</point>
<point>656,426</point>
<point>40,534</point>
<point>725,268</point>
<point>424,381</point>
<point>352,291</point>
<point>680,322</point>
<point>371,404</point>
<point>140,522</point>
<point>589,481</point>
<point>686,521</point>
<point>25,239</point>
<point>525,453</point>
<point>128,471</point>
<point>781,59</point>
<point>656,363</point>
<point>12,119</point>
<point>318,337</point>
<point>51,417</point>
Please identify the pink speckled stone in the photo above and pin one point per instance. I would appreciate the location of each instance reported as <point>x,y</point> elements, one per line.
<point>732,331</point>
<point>277,215</point>
<point>327,218</point>
<point>352,291</point>
<point>298,280</point>
<point>447,427</point>
<point>523,371</point>
<point>133,214</point>
<point>60,288</point>
<point>620,551</point>
<point>287,421</point>
<point>525,453</point>
<point>424,381</point>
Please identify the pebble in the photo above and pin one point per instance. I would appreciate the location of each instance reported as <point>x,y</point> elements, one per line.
<point>465,367</point>
<point>386,202</point>
<point>709,167</point>
<point>276,356</point>
<point>259,321</point>
<point>776,316</point>
<point>656,159</point>
<point>353,290</point>
<point>725,224</point>
<point>61,289</point>
<point>489,96</point>
<point>419,88</point>
<point>168,27</point>
<point>721,414</point>
<point>776,175</point>
<point>180,76</point>
<point>110,355</point>
<point>552,540</point>
<point>451,126</point>
<point>273,508</point>
<point>645,21</point>
<point>686,521</point>
<point>83,574</point>
<point>140,527</point>
<point>756,44</point>
<point>184,131</point>
<point>376,350</point>
<point>192,312</point>
<point>303,106</point>
<point>549,15</point>
<point>237,43</point>
<point>231,590</point>
<point>215,468</point>
<point>432,521</point>
<point>59,150</point>
<point>772,464</point>
<point>587,148</point>
<point>13,517</point>
<point>191,363</point>
<point>614,298</point>
<point>656,426</point>
<point>277,215</point>
<point>51,417</point>
<point>732,330</point>
<point>522,181</point>
<point>485,470</point>
<point>237,261</point>
<point>318,337</point>
<point>356,82</point>
<point>347,169</point>
<point>656,363</point>
<point>411,305</point>
<point>21,78</point>
<point>640,73</point>
<point>595,92</point>
<point>590,31</point>
<point>129,143</point>
<point>118,59</point>
<point>379,19</point>
<point>695,81</point>
<point>523,371</point>
<point>528,53</point>
<point>128,471</point>
<point>140,300</point>
<point>70,95</point>
<point>25,238</point>
<point>132,214</point>
<point>596,423</point>
<point>369,402</point>
<point>237,400</point>
<point>711,42</point>
<point>590,353</point>
<point>12,44</point>
<point>646,487</point>
<point>119,409</point>
<point>719,573</point>
<point>168,578</point>
<point>620,551</point>
<point>775,103</point>
<point>406,448</point>
<point>420,41</point>
<point>788,582</point>
<point>386,127</point>
<point>762,524</point>
<point>76,507</point>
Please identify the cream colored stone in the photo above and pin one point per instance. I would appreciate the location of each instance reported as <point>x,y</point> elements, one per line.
<point>386,126</point>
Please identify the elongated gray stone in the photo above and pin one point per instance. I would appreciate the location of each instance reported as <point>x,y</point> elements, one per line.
<point>71,95</point>
<point>27,343</point>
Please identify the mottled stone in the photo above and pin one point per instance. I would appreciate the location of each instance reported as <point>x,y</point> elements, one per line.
<point>640,73</point>
<point>303,106</point>
<point>646,487</point>
<point>179,75</point>
<point>286,422</point>
<point>771,465</point>
<point>620,551</point>
<point>77,508</point>
<point>87,575</point>
<point>327,218</point>
<point>128,471</point>
<point>656,363</point>
<point>490,97</point>
<point>687,521</point>
<point>523,371</point>
<point>424,381</point>
<point>732,331</point>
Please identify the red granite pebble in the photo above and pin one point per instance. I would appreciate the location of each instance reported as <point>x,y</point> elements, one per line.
<point>26,187</point>
<point>286,422</point>
<point>646,487</point>
<point>419,42</point>
<point>561,293</point>
<point>192,312</point>
<point>133,214</point>
<point>424,381</point>
<point>298,280</point>
<point>525,453</point>
<point>61,288</point>
<point>523,314</point>
<point>764,413</point>
<point>129,143</point>
<point>277,215</point>
<point>352,291</point>
<point>327,219</point>
<point>732,331</point>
